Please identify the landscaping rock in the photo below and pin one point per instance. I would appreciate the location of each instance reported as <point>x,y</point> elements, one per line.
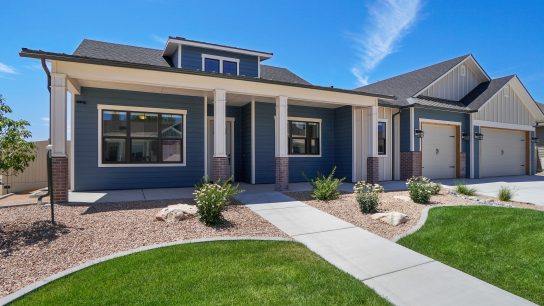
<point>393,217</point>
<point>403,198</point>
<point>176,212</point>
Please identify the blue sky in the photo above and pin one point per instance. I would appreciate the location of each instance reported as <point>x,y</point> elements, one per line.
<point>340,43</point>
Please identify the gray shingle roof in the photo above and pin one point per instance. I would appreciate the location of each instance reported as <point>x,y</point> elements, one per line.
<point>408,84</point>
<point>139,55</point>
<point>541,106</point>
<point>483,92</point>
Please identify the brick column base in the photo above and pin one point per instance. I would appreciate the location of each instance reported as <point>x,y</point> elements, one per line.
<point>410,165</point>
<point>59,192</point>
<point>220,169</point>
<point>373,170</point>
<point>282,173</point>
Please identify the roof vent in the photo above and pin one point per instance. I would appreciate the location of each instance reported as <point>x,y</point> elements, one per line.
<point>463,70</point>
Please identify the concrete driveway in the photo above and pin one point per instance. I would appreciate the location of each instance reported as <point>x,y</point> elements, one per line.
<point>527,189</point>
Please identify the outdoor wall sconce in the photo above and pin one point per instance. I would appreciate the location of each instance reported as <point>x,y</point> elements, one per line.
<point>419,133</point>
<point>535,140</point>
<point>465,136</point>
<point>478,136</point>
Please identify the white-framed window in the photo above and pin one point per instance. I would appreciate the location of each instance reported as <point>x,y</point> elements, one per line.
<point>304,136</point>
<point>140,137</point>
<point>382,137</point>
<point>220,64</point>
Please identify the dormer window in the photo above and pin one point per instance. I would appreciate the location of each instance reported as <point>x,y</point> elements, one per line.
<point>219,64</point>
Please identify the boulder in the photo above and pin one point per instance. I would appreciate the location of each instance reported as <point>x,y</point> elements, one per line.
<point>393,217</point>
<point>176,212</point>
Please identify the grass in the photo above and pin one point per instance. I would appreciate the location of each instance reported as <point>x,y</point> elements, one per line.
<point>461,188</point>
<point>505,193</point>
<point>502,246</point>
<point>218,273</point>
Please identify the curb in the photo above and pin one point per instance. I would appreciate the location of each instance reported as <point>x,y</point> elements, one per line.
<point>21,292</point>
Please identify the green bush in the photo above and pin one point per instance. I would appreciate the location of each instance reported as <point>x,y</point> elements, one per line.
<point>462,188</point>
<point>420,189</point>
<point>505,193</point>
<point>212,198</point>
<point>325,188</point>
<point>368,196</point>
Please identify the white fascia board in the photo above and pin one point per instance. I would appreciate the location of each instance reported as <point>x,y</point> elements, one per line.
<point>112,74</point>
<point>170,41</point>
<point>500,125</point>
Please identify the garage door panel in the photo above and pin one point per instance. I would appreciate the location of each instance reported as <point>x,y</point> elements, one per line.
<point>502,152</point>
<point>438,149</point>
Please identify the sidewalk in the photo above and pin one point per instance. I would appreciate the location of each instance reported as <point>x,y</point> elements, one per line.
<point>401,275</point>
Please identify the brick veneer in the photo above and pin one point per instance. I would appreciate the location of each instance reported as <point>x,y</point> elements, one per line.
<point>59,167</point>
<point>410,165</point>
<point>372,170</point>
<point>220,168</point>
<point>282,173</point>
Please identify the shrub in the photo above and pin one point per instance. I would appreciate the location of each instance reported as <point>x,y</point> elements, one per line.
<point>368,196</point>
<point>462,188</point>
<point>420,189</point>
<point>435,188</point>
<point>212,198</point>
<point>505,193</point>
<point>325,188</point>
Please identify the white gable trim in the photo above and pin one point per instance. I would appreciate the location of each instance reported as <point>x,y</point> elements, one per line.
<point>453,68</point>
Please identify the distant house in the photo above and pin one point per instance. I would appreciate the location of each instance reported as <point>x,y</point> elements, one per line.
<point>149,118</point>
<point>540,144</point>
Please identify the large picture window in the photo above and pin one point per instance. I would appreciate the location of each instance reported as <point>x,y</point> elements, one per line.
<point>382,138</point>
<point>138,137</point>
<point>304,137</point>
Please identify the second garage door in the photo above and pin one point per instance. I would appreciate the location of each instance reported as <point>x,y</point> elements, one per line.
<point>438,148</point>
<point>502,152</point>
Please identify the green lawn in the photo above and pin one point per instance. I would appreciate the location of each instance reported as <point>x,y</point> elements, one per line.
<point>219,273</point>
<point>503,246</point>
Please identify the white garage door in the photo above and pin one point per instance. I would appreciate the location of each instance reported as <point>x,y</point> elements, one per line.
<point>502,152</point>
<point>438,148</point>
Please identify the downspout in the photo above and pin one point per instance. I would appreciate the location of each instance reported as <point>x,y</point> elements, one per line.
<point>393,145</point>
<point>49,170</point>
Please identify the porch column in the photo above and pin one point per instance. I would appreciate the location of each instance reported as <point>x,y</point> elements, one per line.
<point>220,163</point>
<point>282,156</point>
<point>59,159</point>
<point>373,162</point>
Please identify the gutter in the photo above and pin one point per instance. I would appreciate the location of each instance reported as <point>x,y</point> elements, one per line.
<point>39,54</point>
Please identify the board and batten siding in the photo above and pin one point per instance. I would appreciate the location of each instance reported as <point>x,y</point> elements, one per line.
<point>87,174</point>
<point>506,107</point>
<point>454,86</point>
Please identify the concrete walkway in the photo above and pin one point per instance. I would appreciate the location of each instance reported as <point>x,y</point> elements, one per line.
<point>401,275</point>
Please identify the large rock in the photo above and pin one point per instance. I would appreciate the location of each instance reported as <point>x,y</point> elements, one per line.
<point>393,217</point>
<point>176,212</point>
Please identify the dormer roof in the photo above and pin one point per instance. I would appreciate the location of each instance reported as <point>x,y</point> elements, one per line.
<point>173,42</point>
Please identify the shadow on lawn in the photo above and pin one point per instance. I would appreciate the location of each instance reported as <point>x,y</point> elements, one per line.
<point>38,232</point>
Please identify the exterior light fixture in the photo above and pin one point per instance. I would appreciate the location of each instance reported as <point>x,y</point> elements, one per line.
<point>478,136</point>
<point>465,136</point>
<point>535,140</point>
<point>419,133</point>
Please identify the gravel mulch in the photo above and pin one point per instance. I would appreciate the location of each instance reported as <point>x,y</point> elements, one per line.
<point>32,249</point>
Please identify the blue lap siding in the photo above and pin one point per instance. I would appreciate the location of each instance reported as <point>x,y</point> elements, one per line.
<point>88,176</point>
<point>191,58</point>
<point>343,141</point>
<point>265,162</point>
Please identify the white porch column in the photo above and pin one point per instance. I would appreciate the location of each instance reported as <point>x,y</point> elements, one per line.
<point>58,114</point>
<point>282,156</point>
<point>220,164</point>
<point>372,163</point>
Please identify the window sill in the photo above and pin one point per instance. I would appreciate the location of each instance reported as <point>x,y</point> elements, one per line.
<point>101,165</point>
<point>303,155</point>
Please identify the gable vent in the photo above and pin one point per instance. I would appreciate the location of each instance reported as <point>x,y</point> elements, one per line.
<point>463,70</point>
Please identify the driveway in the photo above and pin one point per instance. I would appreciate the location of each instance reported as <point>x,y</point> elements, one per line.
<point>527,189</point>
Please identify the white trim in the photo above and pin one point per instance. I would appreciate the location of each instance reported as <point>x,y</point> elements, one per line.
<point>412,145</point>
<point>217,47</point>
<point>304,119</point>
<point>205,136</point>
<point>472,115</point>
<point>252,140</point>
<point>219,114</point>
<point>387,138</point>
<point>101,107</point>
<point>373,131</point>
<point>71,157</point>
<point>353,145</point>
<point>179,56</point>
<point>232,147</point>
<point>500,125</point>
<point>221,59</point>
<point>258,66</point>
<point>453,123</point>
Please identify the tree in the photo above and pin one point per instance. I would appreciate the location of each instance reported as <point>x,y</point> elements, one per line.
<point>15,151</point>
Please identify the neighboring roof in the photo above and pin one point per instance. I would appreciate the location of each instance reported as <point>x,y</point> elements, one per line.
<point>437,103</point>
<point>131,54</point>
<point>54,56</point>
<point>281,74</point>
<point>483,92</point>
<point>541,106</point>
<point>196,43</point>
<point>409,84</point>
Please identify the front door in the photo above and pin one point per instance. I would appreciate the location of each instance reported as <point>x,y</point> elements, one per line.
<point>229,128</point>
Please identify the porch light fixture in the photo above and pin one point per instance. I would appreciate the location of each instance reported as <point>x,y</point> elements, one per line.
<point>478,136</point>
<point>535,140</point>
<point>465,136</point>
<point>419,133</point>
